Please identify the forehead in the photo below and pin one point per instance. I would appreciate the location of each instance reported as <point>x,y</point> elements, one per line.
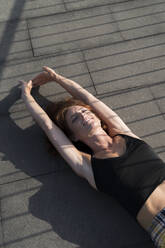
<point>74,109</point>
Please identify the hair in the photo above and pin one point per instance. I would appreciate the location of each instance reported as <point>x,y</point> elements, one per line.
<point>57,112</point>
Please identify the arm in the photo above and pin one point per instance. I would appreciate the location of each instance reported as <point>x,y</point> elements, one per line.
<point>68,151</point>
<point>113,121</point>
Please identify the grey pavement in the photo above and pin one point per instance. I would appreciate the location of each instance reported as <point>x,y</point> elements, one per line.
<point>116,50</point>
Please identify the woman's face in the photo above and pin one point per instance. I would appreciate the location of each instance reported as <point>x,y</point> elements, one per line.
<point>81,121</point>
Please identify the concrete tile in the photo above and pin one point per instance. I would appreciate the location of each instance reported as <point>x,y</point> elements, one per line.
<point>127,64</point>
<point>45,212</point>
<point>159,95</point>
<point>1,234</point>
<point>158,90</point>
<point>69,65</point>
<point>137,7</point>
<point>161,104</point>
<point>128,76</point>
<point>124,57</point>
<point>79,4</point>
<point>11,9</point>
<point>140,19</point>
<point>149,127</point>
<point>15,42</point>
<point>147,46</point>
<point>24,152</point>
<point>73,31</point>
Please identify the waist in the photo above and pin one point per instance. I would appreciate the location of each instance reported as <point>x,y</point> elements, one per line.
<point>154,204</point>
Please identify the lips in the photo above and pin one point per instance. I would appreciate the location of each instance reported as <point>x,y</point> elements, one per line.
<point>87,120</point>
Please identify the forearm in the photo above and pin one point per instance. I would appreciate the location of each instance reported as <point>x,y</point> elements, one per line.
<point>103,111</point>
<point>75,89</point>
<point>37,112</point>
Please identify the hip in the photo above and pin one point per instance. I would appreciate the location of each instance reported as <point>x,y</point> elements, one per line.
<point>153,205</point>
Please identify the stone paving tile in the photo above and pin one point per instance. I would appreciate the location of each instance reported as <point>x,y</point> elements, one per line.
<point>69,65</point>
<point>80,4</point>
<point>139,21</point>
<point>45,212</point>
<point>14,41</point>
<point>1,234</point>
<point>11,9</point>
<point>137,5</point>
<point>24,152</point>
<point>158,92</point>
<point>127,64</point>
<point>73,31</point>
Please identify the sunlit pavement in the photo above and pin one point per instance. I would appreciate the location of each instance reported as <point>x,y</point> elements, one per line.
<point>116,50</point>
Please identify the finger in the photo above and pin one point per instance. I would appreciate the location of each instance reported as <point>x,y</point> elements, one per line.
<point>49,70</point>
<point>21,83</point>
<point>29,82</point>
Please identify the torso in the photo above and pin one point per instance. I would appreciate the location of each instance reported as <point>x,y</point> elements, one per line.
<point>154,203</point>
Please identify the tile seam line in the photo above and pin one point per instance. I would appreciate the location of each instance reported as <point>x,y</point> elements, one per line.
<point>144,118</point>
<point>65,6</point>
<point>130,76</point>
<point>139,7</point>
<point>36,176</point>
<point>105,14</point>
<point>89,72</point>
<point>44,7</point>
<point>30,40</point>
<point>1,223</point>
<point>102,46</point>
<point>129,63</point>
<point>62,12</point>
<point>85,73</point>
<point>117,24</point>
<point>126,51</point>
<point>48,55</point>
<point>86,27</point>
<point>155,100</point>
<point>98,35</point>
<point>51,55</point>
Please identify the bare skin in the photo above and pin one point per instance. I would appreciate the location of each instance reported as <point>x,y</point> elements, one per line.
<point>86,127</point>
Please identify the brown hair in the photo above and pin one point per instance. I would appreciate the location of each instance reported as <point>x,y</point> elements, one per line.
<point>57,111</point>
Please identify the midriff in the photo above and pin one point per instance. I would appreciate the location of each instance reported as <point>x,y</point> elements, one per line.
<point>153,205</point>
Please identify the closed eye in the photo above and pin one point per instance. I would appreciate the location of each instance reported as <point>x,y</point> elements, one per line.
<point>74,119</point>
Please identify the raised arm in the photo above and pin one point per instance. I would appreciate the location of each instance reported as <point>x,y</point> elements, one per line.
<point>68,151</point>
<point>113,121</point>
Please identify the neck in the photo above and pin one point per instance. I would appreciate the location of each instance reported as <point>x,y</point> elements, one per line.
<point>99,141</point>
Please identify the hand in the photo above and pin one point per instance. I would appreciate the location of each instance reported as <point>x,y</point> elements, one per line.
<point>26,87</point>
<point>44,77</point>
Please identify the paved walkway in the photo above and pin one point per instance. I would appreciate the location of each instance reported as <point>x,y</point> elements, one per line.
<point>115,49</point>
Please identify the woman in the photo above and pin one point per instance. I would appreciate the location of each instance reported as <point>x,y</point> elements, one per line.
<point>122,165</point>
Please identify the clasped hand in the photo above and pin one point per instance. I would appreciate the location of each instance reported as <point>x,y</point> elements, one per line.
<point>44,77</point>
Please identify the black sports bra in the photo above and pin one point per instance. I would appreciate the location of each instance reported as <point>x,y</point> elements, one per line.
<point>132,177</point>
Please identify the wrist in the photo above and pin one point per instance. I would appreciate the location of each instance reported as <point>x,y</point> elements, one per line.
<point>25,94</point>
<point>58,78</point>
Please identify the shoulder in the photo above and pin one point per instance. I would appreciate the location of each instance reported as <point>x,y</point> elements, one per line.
<point>114,131</point>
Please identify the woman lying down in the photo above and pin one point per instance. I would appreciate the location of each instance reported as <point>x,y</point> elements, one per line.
<point>122,165</point>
